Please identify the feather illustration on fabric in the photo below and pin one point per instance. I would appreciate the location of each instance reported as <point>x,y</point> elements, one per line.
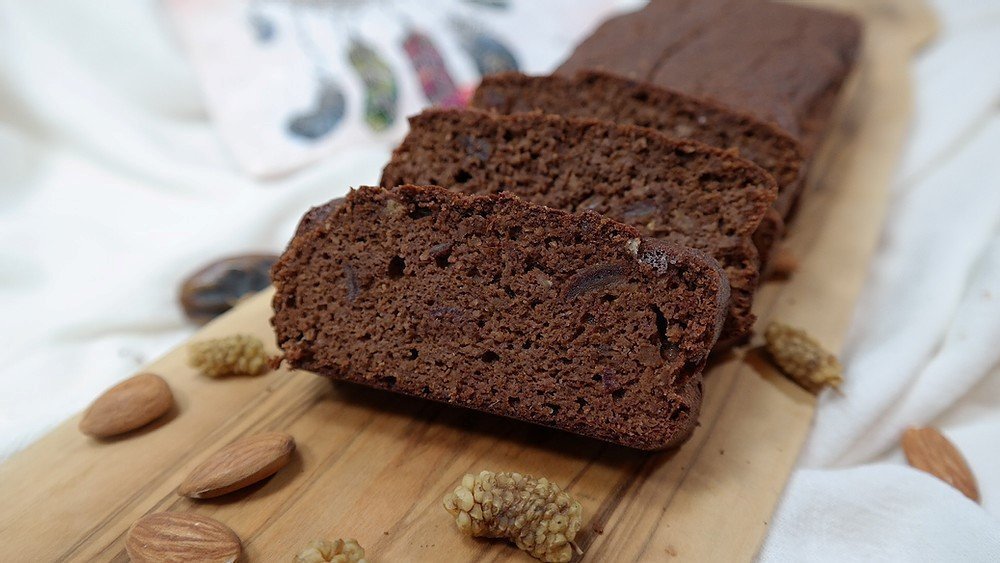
<point>493,4</point>
<point>263,27</point>
<point>329,105</point>
<point>324,115</point>
<point>490,55</point>
<point>381,92</point>
<point>291,82</point>
<point>428,64</point>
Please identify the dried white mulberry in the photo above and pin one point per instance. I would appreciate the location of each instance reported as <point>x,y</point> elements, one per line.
<point>803,359</point>
<point>535,514</point>
<point>233,355</point>
<point>336,551</point>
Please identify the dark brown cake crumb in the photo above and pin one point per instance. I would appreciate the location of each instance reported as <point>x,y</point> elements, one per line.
<point>675,190</point>
<point>492,303</point>
<point>626,101</point>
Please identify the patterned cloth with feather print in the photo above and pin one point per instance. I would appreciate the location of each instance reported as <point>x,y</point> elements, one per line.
<point>289,83</point>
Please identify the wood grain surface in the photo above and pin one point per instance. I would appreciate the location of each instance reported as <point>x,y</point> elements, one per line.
<point>374,466</point>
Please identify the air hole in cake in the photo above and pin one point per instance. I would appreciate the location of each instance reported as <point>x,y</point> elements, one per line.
<point>514,233</point>
<point>462,177</point>
<point>618,393</point>
<point>510,292</point>
<point>425,390</point>
<point>597,378</point>
<point>490,356</point>
<point>608,298</point>
<point>473,272</point>
<point>526,345</point>
<point>513,401</point>
<point>661,330</point>
<point>553,409</point>
<point>723,227</point>
<point>414,353</point>
<point>389,381</point>
<point>679,412</point>
<point>419,212</point>
<point>396,267</point>
<point>582,403</point>
<point>441,253</point>
<point>480,323</point>
<point>709,178</point>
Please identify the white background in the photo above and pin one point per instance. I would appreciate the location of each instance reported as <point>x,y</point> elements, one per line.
<point>114,185</point>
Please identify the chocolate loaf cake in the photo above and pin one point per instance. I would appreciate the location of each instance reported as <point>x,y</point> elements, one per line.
<point>675,190</point>
<point>602,95</point>
<point>780,62</point>
<point>489,302</point>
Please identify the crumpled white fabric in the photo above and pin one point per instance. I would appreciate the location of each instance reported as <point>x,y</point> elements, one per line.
<point>113,185</point>
<point>924,348</point>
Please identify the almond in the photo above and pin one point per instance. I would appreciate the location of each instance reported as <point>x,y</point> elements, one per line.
<point>181,536</point>
<point>135,402</point>
<point>928,450</point>
<point>239,464</point>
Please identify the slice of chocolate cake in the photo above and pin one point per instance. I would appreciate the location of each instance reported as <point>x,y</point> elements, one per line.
<point>602,95</point>
<point>489,302</point>
<point>676,190</point>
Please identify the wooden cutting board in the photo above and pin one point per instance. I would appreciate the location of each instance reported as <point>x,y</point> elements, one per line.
<point>374,466</point>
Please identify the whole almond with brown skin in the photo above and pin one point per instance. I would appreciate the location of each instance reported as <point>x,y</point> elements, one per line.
<point>133,403</point>
<point>239,464</point>
<point>928,450</point>
<point>181,536</point>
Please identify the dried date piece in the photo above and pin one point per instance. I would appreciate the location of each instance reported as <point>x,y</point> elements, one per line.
<point>217,287</point>
<point>594,278</point>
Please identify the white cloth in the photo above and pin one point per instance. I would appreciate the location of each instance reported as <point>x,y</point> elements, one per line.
<point>113,185</point>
